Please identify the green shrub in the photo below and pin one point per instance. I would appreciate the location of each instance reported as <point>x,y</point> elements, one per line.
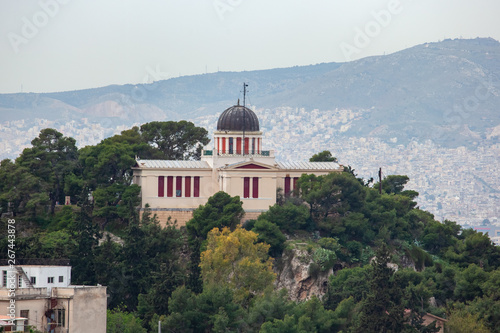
<point>324,258</point>
<point>420,257</point>
<point>270,233</point>
<point>329,244</point>
<point>314,270</point>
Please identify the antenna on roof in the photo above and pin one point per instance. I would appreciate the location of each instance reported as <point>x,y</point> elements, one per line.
<point>244,113</point>
<point>380,181</point>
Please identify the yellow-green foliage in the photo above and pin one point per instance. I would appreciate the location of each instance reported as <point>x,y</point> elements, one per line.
<point>462,321</point>
<point>237,259</point>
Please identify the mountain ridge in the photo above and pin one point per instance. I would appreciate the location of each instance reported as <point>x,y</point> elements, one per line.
<point>426,91</point>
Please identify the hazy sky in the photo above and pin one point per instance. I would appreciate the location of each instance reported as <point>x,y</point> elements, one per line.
<point>58,45</point>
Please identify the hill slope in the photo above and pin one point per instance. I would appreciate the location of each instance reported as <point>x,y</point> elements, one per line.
<point>447,91</point>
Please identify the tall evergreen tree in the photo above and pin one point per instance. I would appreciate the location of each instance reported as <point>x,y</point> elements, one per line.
<point>86,234</point>
<point>382,310</point>
<point>52,157</point>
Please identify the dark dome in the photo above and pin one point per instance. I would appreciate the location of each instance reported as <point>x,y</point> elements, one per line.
<point>232,119</point>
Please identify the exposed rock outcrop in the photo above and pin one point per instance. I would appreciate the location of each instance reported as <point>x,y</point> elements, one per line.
<point>294,272</point>
<point>112,237</point>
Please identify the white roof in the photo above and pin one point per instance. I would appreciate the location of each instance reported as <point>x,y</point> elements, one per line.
<point>309,165</point>
<point>165,164</point>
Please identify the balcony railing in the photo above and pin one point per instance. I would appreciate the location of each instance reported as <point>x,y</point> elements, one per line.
<point>234,152</point>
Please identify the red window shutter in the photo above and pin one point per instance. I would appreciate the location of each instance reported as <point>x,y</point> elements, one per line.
<point>294,189</point>
<point>255,187</point>
<point>161,186</point>
<point>258,145</point>
<point>247,143</point>
<point>170,186</point>
<point>224,146</point>
<point>178,186</point>
<point>196,189</point>
<point>187,186</point>
<point>246,187</point>
<point>287,186</point>
<point>238,146</point>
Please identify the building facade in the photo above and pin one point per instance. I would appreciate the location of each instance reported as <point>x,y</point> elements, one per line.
<point>236,164</point>
<point>45,299</point>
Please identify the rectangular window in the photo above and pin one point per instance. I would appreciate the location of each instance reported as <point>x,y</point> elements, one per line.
<point>287,186</point>
<point>295,183</point>
<point>255,187</point>
<point>61,278</point>
<point>178,186</point>
<point>4,278</point>
<point>187,186</point>
<point>60,317</point>
<point>196,189</point>
<point>33,281</point>
<point>247,146</point>
<point>258,145</point>
<point>161,186</point>
<point>25,314</point>
<point>231,145</point>
<point>19,281</point>
<point>253,145</point>
<point>50,279</point>
<point>224,146</point>
<point>218,145</point>
<point>170,186</point>
<point>246,187</point>
<point>238,146</point>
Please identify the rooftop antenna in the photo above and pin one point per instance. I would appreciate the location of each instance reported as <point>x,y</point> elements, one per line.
<point>244,113</point>
<point>380,181</point>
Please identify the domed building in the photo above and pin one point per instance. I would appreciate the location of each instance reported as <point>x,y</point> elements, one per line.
<point>236,164</point>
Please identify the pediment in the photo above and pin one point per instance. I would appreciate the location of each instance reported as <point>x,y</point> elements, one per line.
<point>250,165</point>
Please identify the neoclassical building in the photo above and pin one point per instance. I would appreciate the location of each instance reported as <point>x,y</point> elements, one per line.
<point>236,164</point>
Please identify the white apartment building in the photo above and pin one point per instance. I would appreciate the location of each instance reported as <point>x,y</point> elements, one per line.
<point>44,299</point>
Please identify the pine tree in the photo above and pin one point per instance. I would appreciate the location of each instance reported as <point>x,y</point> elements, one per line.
<point>382,310</point>
<point>87,236</point>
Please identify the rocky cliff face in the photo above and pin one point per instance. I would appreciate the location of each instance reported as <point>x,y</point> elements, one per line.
<point>294,272</point>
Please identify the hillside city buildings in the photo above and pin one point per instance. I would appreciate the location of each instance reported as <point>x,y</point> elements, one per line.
<point>459,184</point>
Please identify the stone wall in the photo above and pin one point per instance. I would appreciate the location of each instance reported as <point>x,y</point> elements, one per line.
<point>250,216</point>
<point>182,215</point>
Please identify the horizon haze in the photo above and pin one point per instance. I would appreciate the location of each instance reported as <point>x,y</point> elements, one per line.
<point>64,45</point>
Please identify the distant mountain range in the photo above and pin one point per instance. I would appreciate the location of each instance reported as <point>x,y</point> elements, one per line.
<point>446,91</point>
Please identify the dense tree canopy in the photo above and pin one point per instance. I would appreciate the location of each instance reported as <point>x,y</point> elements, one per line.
<point>236,258</point>
<point>324,156</point>
<point>174,140</point>
<point>52,157</point>
<point>221,210</point>
<point>213,276</point>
